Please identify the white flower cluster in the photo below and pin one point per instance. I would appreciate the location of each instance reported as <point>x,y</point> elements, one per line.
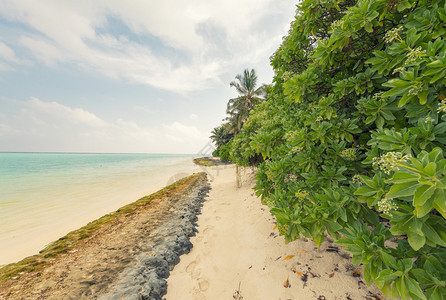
<point>390,161</point>
<point>378,96</point>
<point>357,179</point>
<point>302,195</point>
<point>393,34</point>
<point>416,88</point>
<point>337,23</point>
<point>349,153</point>
<point>415,54</point>
<point>442,106</point>
<point>290,178</point>
<point>399,70</point>
<point>270,203</point>
<point>386,206</point>
<point>429,120</point>
<point>287,75</point>
<point>296,149</point>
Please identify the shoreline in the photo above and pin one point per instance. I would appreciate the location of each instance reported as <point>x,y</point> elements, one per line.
<point>220,238</point>
<point>86,261</point>
<point>27,241</point>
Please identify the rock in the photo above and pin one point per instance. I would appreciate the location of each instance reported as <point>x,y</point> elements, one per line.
<point>145,278</point>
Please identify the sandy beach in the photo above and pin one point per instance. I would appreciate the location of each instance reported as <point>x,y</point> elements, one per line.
<point>238,254</point>
<point>151,251</point>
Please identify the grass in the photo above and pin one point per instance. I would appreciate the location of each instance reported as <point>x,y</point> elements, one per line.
<point>209,162</point>
<point>64,244</point>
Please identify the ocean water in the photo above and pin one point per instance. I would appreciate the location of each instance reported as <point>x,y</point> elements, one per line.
<point>43,196</point>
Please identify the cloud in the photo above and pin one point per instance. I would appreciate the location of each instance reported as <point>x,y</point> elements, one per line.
<point>51,126</point>
<point>7,130</point>
<point>143,109</point>
<point>174,45</point>
<point>43,51</point>
<point>4,67</point>
<point>193,117</point>
<point>58,112</point>
<point>6,53</point>
<point>180,133</point>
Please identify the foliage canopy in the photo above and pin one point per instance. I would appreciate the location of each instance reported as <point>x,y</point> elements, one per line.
<point>353,137</point>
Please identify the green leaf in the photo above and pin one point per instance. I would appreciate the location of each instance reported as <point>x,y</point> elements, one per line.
<point>403,101</point>
<point>404,4</point>
<point>438,76</point>
<point>440,202</point>
<point>281,216</point>
<point>397,91</point>
<point>400,177</point>
<point>368,27</point>
<point>370,216</point>
<point>414,288</point>
<point>415,240</point>
<point>422,194</point>
<point>430,169</point>
<point>365,191</point>
<point>398,83</point>
<point>389,260</point>
<point>402,288</point>
<point>379,122</point>
<point>402,190</point>
<point>440,128</point>
<point>431,234</point>
<point>422,96</point>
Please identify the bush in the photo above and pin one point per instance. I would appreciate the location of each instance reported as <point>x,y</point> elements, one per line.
<point>224,152</point>
<point>353,137</point>
<point>215,153</point>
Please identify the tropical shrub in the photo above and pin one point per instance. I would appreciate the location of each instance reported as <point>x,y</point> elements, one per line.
<point>223,152</point>
<point>353,137</point>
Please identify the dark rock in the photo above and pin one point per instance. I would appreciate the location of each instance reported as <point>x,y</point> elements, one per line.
<point>145,278</point>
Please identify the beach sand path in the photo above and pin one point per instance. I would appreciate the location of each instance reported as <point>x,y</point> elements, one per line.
<point>238,254</point>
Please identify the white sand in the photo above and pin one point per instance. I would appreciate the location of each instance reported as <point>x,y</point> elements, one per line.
<point>238,255</point>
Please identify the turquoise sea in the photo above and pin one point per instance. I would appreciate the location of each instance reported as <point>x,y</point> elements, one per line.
<point>43,196</point>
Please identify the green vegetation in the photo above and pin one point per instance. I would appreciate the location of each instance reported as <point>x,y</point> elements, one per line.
<point>72,239</point>
<point>209,162</point>
<point>238,110</point>
<point>249,96</point>
<point>221,135</point>
<point>352,138</point>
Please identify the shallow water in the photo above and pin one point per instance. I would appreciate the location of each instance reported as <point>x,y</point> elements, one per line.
<point>45,195</point>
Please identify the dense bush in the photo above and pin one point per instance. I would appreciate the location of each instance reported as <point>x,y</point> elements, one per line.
<point>223,152</point>
<point>353,137</point>
<point>215,153</point>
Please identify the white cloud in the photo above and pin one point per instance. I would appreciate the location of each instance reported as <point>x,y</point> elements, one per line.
<point>143,109</point>
<point>133,130</point>
<point>7,53</point>
<point>206,37</point>
<point>193,48</point>
<point>4,67</point>
<point>51,126</point>
<point>43,51</point>
<point>7,130</point>
<point>180,133</point>
<point>58,112</point>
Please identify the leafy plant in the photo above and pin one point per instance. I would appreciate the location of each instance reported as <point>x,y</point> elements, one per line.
<point>353,137</point>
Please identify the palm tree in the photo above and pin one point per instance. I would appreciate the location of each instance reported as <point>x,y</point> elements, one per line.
<point>238,108</point>
<point>220,135</point>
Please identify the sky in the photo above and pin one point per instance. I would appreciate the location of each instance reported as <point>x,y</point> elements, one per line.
<point>129,76</point>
